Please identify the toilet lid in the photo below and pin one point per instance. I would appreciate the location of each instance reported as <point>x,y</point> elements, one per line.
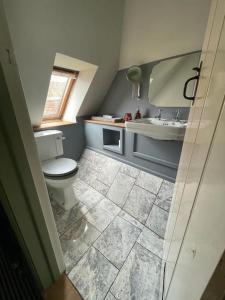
<point>59,166</point>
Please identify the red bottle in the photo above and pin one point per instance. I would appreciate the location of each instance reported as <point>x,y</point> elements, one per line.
<point>138,114</point>
<point>127,117</point>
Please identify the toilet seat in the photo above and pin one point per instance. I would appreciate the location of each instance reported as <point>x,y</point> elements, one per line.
<point>59,167</point>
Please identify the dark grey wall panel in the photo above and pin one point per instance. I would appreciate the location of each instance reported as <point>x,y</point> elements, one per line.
<point>74,143</point>
<point>160,152</point>
<point>157,157</point>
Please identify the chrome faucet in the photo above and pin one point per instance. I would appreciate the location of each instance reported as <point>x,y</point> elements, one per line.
<point>159,114</point>
<point>177,118</point>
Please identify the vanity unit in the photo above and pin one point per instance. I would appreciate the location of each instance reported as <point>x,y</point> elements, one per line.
<point>159,157</point>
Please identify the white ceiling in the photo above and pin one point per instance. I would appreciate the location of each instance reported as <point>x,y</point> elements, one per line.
<point>156,29</point>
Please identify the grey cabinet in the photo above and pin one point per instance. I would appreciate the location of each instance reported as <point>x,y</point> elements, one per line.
<point>157,157</point>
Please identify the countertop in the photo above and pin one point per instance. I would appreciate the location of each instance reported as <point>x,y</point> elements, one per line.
<point>121,125</point>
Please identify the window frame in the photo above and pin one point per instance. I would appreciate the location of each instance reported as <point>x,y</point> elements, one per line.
<point>74,75</point>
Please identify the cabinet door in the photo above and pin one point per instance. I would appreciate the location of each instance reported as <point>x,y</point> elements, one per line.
<point>185,253</point>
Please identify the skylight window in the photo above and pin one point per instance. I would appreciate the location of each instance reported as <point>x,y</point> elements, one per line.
<point>60,87</point>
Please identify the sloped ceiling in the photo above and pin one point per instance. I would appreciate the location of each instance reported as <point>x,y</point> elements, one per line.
<point>91,30</point>
<point>83,29</point>
<point>157,29</point>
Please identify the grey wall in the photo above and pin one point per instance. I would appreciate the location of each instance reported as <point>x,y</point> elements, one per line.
<point>74,143</point>
<point>119,100</point>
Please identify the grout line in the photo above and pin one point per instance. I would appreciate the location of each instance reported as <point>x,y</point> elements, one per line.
<point>155,232</point>
<point>156,197</point>
<point>148,190</point>
<point>136,217</point>
<point>106,259</point>
<point>108,224</point>
<point>67,228</point>
<point>82,298</point>
<point>131,217</point>
<point>108,186</point>
<point>149,251</point>
<point>168,211</point>
<point>120,270</point>
<point>144,225</point>
<point>92,168</point>
<point>115,276</point>
<point>84,252</point>
<point>128,195</point>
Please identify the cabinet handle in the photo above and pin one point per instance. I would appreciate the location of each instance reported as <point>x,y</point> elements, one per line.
<point>192,98</point>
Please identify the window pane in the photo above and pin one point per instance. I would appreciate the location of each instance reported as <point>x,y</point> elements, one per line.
<point>56,91</point>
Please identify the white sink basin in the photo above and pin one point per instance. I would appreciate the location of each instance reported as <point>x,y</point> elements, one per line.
<point>159,129</point>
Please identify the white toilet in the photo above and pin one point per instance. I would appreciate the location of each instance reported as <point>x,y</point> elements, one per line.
<point>59,172</point>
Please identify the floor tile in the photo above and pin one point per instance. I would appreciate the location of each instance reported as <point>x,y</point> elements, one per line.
<point>131,219</point>
<point>90,176</point>
<point>151,241</point>
<point>139,203</point>
<point>149,182</point>
<point>157,220</point>
<point>86,194</point>
<point>165,194</point>
<point>139,279</point>
<point>65,219</point>
<point>93,275</point>
<point>99,162</point>
<point>80,185</point>
<point>94,160</point>
<point>99,186</point>
<point>84,166</point>
<point>109,206</point>
<point>116,242</point>
<point>110,297</point>
<point>129,170</point>
<point>109,171</point>
<point>100,217</point>
<point>120,189</point>
<point>76,241</point>
<point>89,154</point>
<point>57,209</point>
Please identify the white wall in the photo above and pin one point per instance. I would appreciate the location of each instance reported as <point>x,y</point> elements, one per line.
<point>155,29</point>
<point>83,29</point>
<point>87,73</point>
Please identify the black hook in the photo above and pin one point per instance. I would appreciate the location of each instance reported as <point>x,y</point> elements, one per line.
<point>198,70</point>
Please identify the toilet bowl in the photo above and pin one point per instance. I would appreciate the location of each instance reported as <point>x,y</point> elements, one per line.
<point>59,172</point>
<point>59,176</point>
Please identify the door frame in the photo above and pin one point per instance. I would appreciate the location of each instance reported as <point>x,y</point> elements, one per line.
<point>23,189</point>
<point>194,155</point>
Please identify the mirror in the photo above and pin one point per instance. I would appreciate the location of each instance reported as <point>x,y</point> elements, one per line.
<point>167,81</point>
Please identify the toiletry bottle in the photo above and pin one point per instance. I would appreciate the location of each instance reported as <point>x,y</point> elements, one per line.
<point>138,114</point>
<point>127,117</point>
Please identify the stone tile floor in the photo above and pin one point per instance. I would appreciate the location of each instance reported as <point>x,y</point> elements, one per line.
<point>112,240</point>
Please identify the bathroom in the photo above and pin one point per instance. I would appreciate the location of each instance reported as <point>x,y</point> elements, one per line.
<point>109,142</point>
